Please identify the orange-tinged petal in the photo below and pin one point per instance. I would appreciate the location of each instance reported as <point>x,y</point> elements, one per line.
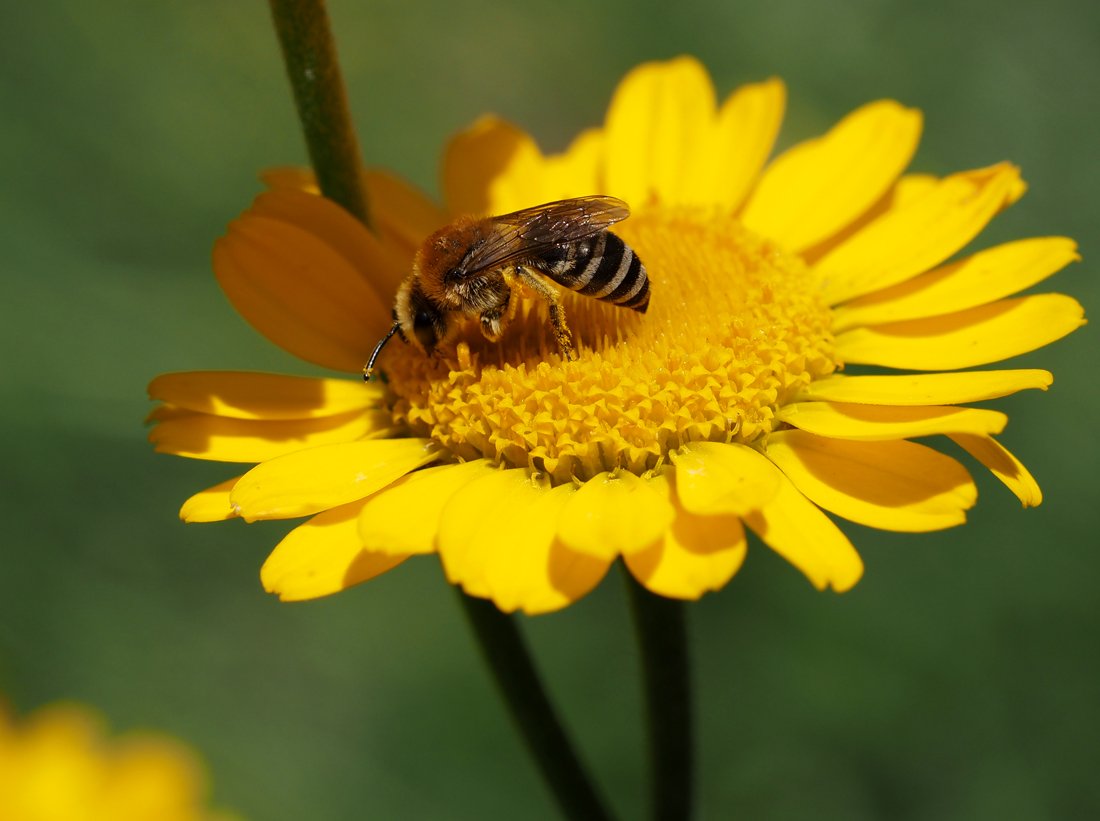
<point>1004,466</point>
<point>401,213</point>
<point>696,555</point>
<point>210,505</point>
<point>976,336</point>
<point>404,517</point>
<point>748,123</point>
<point>897,485</point>
<point>658,127</point>
<point>797,530</point>
<point>875,423</point>
<point>977,280</point>
<point>251,395</point>
<point>497,539</point>
<point>926,388</point>
<point>299,292</point>
<point>714,478</point>
<point>223,439</point>
<point>323,556</point>
<point>818,187</point>
<point>309,481</point>
<point>290,177</point>
<point>492,167</point>
<point>338,229</point>
<point>165,413</point>
<point>911,238</point>
<point>614,514</point>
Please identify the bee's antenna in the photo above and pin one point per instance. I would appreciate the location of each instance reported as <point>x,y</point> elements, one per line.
<point>377,350</point>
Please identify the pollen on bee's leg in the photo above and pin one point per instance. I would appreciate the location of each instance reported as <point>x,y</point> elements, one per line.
<point>462,354</point>
<point>562,334</point>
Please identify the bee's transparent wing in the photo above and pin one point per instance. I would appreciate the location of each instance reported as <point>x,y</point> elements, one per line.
<point>533,231</point>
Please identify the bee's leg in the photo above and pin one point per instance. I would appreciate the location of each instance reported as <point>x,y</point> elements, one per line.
<point>493,320</point>
<point>562,333</point>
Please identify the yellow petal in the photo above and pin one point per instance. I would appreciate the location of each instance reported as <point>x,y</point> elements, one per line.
<point>926,388</point>
<point>614,514</point>
<point>404,517</point>
<point>714,478</point>
<point>818,187</point>
<point>497,540</point>
<point>401,213</point>
<point>223,439</point>
<point>896,485</point>
<point>576,173</point>
<point>210,505</point>
<point>910,188</point>
<point>748,123</point>
<point>798,531</point>
<point>658,125</point>
<point>250,395</point>
<point>299,292</point>
<point>697,553</point>
<point>976,336</point>
<point>323,556</point>
<point>309,481</point>
<point>906,190</point>
<point>979,279</point>
<point>1004,466</point>
<point>492,167</point>
<point>911,238</point>
<point>874,423</point>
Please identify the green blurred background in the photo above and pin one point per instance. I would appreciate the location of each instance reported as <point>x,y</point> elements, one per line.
<point>959,680</point>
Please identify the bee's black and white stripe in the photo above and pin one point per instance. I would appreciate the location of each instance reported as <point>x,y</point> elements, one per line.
<point>602,267</point>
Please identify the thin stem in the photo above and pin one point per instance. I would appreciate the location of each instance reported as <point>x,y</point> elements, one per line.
<point>662,640</point>
<point>310,56</point>
<point>506,653</point>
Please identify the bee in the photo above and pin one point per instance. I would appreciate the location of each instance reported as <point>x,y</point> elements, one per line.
<point>469,268</point>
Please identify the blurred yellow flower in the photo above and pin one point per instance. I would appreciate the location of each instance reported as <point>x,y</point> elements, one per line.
<point>725,405</point>
<point>58,765</point>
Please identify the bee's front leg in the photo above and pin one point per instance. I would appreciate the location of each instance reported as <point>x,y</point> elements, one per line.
<point>495,319</point>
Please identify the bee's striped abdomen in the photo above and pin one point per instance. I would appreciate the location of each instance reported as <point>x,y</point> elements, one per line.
<point>603,267</point>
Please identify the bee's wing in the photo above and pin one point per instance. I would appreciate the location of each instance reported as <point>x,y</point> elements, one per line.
<point>536,230</point>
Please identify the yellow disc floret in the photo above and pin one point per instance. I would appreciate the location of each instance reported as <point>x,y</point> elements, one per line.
<point>735,327</point>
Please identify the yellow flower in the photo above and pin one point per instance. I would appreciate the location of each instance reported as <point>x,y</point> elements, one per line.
<point>730,403</point>
<point>58,766</point>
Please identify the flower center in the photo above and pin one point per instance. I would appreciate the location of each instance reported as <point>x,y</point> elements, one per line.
<point>735,327</point>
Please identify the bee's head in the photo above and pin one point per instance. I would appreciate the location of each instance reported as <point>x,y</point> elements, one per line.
<point>420,321</point>
<point>417,320</point>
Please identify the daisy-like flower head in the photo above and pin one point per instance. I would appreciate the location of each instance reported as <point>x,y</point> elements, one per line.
<point>58,765</point>
<point>730,403</point>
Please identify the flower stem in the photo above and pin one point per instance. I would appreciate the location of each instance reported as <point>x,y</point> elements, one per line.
<point>505,652</point>
<point>662,640</point>
<point>309,53</point>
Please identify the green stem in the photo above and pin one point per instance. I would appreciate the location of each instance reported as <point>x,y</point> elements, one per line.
<point>310,56</point>
<point>662,640</point>
<point>506,653</point>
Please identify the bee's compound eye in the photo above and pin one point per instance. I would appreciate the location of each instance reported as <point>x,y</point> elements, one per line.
<point>424,328</point>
